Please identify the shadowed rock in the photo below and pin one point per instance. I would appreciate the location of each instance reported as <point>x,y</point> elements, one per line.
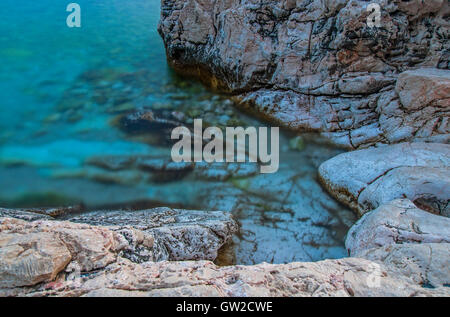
<point>318,66</point>
<point>185,234</point>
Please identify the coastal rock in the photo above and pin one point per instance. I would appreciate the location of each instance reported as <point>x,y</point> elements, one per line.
<point>424,87</point>
<point>69,259</point>
<point>428,188</point>
<point>35,252</point>
<point>365,179</point>
<point>344,278</point>
<point>398,222</point>
<point>30,258</point>
<point>426,264</point>
<point>23,215</point>
<point>318,66</point>
<point>184,234</point>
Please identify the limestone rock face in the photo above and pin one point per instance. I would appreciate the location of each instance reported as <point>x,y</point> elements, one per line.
<point>365,179</point>
<point>36,252</point>
<point>318,66</point>
<point>397,222</point>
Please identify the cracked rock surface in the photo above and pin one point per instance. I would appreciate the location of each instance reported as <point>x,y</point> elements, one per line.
<point>368,178</point>
<point>397,222</point>
<point>345,277</point>
<point>317,65</point>
<point>62,258</point>
<point>182,234</point>
<point>426,264</point>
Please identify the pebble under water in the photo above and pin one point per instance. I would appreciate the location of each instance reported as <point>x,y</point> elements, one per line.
<point>68,134</point>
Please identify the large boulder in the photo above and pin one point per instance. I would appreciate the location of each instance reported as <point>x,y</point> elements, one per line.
<point>365,179</point>
<point>318,65</point>
<point>398,222</point>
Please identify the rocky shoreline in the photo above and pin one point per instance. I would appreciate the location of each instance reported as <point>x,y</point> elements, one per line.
<point>309,66</point>
<point>317,65</point>
<point>139,254</point>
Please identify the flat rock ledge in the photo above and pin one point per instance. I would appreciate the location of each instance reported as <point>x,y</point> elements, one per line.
<point>63,258</point>
<point>181,234</point>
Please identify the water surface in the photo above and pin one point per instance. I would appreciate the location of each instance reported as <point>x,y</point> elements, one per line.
<point>63,95</point>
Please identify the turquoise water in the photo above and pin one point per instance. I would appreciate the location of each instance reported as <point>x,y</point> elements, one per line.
<point>63,94</point>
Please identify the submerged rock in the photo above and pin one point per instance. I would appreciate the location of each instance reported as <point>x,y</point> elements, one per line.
<point>164,169</point>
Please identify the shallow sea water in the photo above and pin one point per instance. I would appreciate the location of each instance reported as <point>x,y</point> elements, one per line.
<point>63,93</point>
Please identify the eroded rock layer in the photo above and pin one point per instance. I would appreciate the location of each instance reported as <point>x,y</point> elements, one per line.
<point>318,65</point>
<point>53,258</point>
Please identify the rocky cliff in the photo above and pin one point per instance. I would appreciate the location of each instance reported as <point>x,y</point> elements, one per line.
<point>318,66</point>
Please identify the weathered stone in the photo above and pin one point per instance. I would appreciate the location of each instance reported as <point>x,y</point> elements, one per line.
<point>55,254</point>
<point>318,66</point>
<point>428,187</point>
<point>22,214</point>
<point>29,258</point>
<point>346,277</point>
<point>397,222</point>
<point>348,176</point>
<point>423,88</point>
<point>185,234</point>
<point>426,264</point>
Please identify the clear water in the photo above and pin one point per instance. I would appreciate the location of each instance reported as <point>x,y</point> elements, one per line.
<point>62,92</point>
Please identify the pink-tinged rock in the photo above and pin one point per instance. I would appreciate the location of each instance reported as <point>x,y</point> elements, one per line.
<point>425,87</point>
<point>29,258</point>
